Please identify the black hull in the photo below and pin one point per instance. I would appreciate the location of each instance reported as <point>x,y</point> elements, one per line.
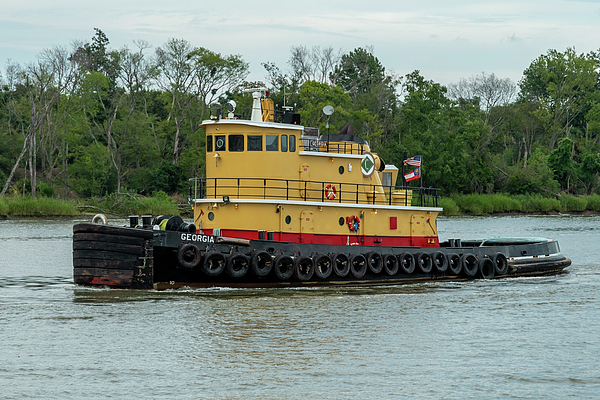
<point>144,259</point>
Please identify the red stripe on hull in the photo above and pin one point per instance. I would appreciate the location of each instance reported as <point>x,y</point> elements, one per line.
<point>384,241</point>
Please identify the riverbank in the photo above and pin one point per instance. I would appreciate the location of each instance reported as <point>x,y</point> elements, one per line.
<point>112,205</point>
<point>123,205</point>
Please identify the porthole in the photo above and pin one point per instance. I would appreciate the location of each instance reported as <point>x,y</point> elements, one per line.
<point>211,216</point>
<point>341,221</point>
<point>288,220</point>
<point>341,169</point>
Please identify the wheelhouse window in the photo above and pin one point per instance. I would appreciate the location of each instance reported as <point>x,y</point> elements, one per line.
<point>220,143</point>
<point>387,179</point>
<point>236,142</point>
<point>209,143</point>
<point>292,142</point>
<point>284,143</point>
<point>272,142</point>
<point>254,142</point>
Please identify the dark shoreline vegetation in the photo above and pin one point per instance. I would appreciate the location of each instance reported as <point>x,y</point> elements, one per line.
<point>100,127</point>
<point>124,205</point>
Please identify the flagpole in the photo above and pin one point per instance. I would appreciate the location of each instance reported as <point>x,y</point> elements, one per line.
<point>421,166</point>
<point>405,156</point>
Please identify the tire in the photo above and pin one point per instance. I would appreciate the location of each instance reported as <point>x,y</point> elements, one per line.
<point>440,261</point>
<point>390,264</point>
<point>468,263</point>
<point>283,267</point>
<point>486,268</point>
<point>500,264</point>
<point>341,265</point>
<point>358,265</point>
<point>424,262</point>
<point>261,263</point>
<point>189,256</point>
<point>303,268</point>
<point>238,265</point>
<point>323,266</point>
<point>374,262</point>
<point>406,263</point>
<point>214,263</point>
<point>454,264</point>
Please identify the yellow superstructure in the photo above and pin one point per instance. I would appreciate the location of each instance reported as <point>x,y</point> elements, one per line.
<point>277,181</point>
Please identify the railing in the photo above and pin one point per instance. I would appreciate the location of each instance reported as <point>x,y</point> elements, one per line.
<point>300,190</point>
<point>324,146</point>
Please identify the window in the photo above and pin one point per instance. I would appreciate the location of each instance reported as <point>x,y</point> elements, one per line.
<point>292,142</point>
<point>272,143</point>
<point>209,143</point>
<point>220,143</point>
<point>236,142</point>
<point>387,179</point>
<point>283,142</point>
<point>254,142</point>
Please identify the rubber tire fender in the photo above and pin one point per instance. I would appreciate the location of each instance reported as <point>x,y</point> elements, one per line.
<point>214,263</point>
<point>500,263</point>
<point>374,262</point>
<point>261,263</point>
<point>468,261</point>
<point>323,266</point>
<point>440,261</point>
<point>358,265</point>
<point>341,265</point>
<point>390,264</point>
<point>424,262</point>
<point>238,265</point>
<point>406,262</point>
<point>283,267</point>
<point>189,256</point>
<point>454,264</point>
<point>304,268</point>
<point>486,268</point>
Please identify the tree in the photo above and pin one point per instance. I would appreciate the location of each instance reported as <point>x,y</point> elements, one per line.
<point>564,84</point>
<point>358,72</point>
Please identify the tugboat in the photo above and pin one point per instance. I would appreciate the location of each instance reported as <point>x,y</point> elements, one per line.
<point>283,206</point>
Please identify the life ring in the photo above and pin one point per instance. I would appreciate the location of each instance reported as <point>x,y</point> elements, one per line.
<point>353,223</point>
<point>189,256</point>
<point>330,192</point>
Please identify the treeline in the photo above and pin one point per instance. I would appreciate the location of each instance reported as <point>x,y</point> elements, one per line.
<point>91,121</point>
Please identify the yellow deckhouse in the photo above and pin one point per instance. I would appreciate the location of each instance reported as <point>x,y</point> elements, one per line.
<point>284,182</point>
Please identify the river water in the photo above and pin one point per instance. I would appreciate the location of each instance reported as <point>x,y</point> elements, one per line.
<point>523,338</point>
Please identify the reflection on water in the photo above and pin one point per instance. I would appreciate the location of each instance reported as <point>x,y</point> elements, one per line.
<point>519,338</point>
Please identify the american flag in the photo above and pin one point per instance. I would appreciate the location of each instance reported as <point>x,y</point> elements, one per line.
<point>414,161</point>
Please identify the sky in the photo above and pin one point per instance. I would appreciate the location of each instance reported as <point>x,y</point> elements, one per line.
<point>445,40</point>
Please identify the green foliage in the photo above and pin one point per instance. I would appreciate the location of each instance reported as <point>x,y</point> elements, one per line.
<point>39,207</point>
<point>477,204</point>
<point>593,203</point>
<point>127,204</point>
<point>573,203</point>
<point>449,205</point>
<point>3,208</point>
<point>536,203</point>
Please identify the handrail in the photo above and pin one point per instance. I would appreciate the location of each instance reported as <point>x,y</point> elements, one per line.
<point>302,190</point>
